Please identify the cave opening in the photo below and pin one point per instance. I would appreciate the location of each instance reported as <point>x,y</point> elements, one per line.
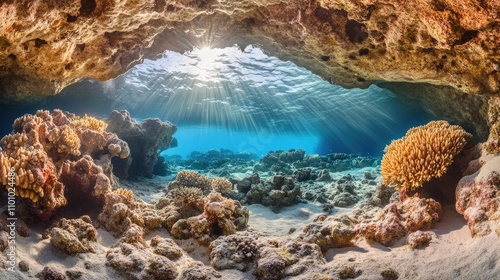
<point>244,101</point>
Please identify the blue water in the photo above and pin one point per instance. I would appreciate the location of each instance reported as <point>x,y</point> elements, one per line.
<point>243,101</point>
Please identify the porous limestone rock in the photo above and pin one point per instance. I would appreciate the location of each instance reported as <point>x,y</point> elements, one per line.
<point>221,216</point>
<point>278,191</point>
<point>268,258</point>
<point>399,218</point>
<point>74,235</point>
<point>331,232</point>
<point>134,258</point>
<point>418,239</point>
<point>478,198</point>
<point>348,42</point>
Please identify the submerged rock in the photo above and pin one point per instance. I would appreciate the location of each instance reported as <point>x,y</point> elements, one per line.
<point>399,218</point>
<point>145,139</point>
<point>478,198</point>
<point>74,235</point>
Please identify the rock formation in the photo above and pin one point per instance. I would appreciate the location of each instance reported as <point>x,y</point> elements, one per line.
<point>348,42</point>
<point>145,139</point>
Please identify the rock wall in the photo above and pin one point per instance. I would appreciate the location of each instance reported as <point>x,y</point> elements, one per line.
<point>47,45</point>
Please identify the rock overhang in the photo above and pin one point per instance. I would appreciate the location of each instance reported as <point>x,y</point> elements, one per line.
<point>47,45</point>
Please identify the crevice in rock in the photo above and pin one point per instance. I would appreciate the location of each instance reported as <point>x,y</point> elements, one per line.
<point>39,42</point>
<point>160,6</point>
<point>466,37</point>
<point>71,18</point>
<point>364,51</point>
<point>87,7</point>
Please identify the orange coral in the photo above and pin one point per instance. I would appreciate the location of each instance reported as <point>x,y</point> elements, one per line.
<point>425,152</point>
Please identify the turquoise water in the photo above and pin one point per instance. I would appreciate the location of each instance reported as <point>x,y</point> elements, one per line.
<point>244,101</point>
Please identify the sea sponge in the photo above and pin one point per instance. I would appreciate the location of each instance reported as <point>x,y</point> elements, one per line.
<point>425,152</point>
<point>221,185</point>
<point>87,122</point>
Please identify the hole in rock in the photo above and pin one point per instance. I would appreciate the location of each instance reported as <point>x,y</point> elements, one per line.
<point>71,18</point>
<point>467,36</point>
<point>355,31</point>
<point>364,51</point>
<point>12,56</point>
<point>87,7</point>
<point>39,42</point>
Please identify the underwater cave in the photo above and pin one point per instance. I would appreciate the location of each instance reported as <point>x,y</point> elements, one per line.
<point>249,140</point>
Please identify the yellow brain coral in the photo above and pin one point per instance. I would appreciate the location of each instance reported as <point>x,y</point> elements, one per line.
<point>425,152</point>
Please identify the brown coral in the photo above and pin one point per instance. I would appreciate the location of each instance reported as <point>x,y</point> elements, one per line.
<point>425,152</point>
<point>221,185</point>
<point>189,178</point>
<point>127,194</point>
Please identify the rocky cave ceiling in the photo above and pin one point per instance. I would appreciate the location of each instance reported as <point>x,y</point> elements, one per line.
<point>447,49</point>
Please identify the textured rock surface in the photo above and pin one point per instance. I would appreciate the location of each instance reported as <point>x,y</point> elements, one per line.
<point>145,139</point>
<point>46,45</point>
<point>399,218</point>
<point>478,198</point>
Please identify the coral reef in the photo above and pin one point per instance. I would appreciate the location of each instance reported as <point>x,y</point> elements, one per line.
<point>74,235</point>
<point>278,191</point>
<point>145,139</point>
<point>477,198</point>
<point>399,218</point>
<point>424,153</point>
<point>42,144</point>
